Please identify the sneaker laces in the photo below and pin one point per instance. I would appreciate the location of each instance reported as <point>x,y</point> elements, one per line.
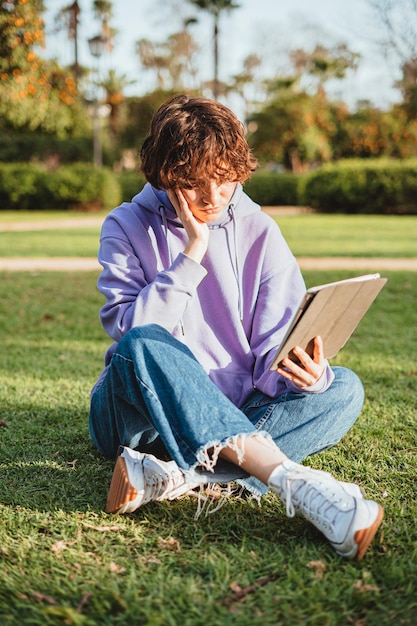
<point>304,496</point>
<point>346,519</point>
<point>163,483</point>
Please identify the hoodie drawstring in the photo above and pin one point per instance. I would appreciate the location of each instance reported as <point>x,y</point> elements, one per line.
<point>232,248</point>
<point>234,258</point>
<point>164,220</point>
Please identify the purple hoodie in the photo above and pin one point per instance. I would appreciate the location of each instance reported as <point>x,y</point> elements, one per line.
<point>232,311</point>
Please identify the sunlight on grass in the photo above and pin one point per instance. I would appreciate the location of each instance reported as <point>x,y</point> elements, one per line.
<point>308,235</point>
<point>346,235</point>
<point>75,242</point>
<point>64,561</point>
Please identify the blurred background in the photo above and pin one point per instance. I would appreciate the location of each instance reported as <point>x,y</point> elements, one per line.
<point>315,83</point>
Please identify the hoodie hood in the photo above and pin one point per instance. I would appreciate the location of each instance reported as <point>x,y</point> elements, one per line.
<point>157,201</point>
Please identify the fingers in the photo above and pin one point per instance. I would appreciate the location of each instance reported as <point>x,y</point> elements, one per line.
<point>318,351</point>
<point>196,230</point>
<point>184,213</point>
<point>178,201</point>
<point>307,370</point>
<point>181,199</point>
<point>296,374</point>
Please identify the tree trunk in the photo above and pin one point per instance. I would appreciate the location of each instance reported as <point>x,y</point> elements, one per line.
<point>216,58</point>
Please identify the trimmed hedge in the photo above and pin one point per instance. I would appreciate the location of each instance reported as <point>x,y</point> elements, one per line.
<point>363,186</point>
<point>354,186</point>
<point>130,184</point>
<point>272,189</point>
<point>77,187</point>
<point>24,147</point>
<point>265,188</point>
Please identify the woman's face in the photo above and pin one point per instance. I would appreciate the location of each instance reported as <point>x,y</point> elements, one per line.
<point>208,203</point>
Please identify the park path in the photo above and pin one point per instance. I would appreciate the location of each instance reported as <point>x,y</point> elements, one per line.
<point>12,264</point>
<point>89,264</point>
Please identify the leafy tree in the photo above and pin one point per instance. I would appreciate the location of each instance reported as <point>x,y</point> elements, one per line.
<point>396,21</point>
<point>293,129</point>
<point>402,132</point>
<point>365,132</point>
<point>35,94</point>
<point>172,60</point>
<point>370,132</point>
<point>245,83</point>
<point>299,126</point>
<point>182,49</point>
<point>397,35</point>
<point>114,86</point>
<point>215,8</point>
<point>323,63</point>
<point>139,113</point>
<point>408,86</point>
<point>68,18</point>
<point>103,10</point>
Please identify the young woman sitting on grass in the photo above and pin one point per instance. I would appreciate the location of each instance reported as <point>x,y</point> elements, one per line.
<point>200,287</point>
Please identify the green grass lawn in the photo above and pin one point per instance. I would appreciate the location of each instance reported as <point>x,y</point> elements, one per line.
<point>307,235</point>
<point>351,235</point>
<point>64,561</point>
<point>71,242</point>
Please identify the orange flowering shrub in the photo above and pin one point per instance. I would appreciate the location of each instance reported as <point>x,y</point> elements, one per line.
<point>34,93</point>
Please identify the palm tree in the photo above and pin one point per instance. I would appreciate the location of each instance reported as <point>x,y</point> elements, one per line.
<point>215,8</point>
<point>68,18</point>
<point>171,60</point>
<point>114,86</point>
<point>103,10</point>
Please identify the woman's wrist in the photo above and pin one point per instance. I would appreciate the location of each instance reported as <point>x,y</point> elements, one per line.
<point>196,249</point>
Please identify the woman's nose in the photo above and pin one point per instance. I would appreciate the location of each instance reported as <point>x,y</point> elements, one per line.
<point>211,194</point>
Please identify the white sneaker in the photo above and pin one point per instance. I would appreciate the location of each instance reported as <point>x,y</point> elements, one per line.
<point>352,489</point>
<point>349,522</point>
<point>139,478</point>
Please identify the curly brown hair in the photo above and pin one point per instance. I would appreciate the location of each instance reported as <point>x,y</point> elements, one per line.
<point>192,140</point>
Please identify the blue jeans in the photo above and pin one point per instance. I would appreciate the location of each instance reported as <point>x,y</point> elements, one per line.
<point>156,397</point>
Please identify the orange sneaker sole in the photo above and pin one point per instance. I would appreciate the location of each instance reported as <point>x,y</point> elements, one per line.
<point>121,491</point>
<point>364,537</point>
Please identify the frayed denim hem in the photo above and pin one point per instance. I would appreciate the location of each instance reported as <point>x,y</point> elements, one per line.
<point>214,497</point>
<point>217,470</point>
<point>256,491</point>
